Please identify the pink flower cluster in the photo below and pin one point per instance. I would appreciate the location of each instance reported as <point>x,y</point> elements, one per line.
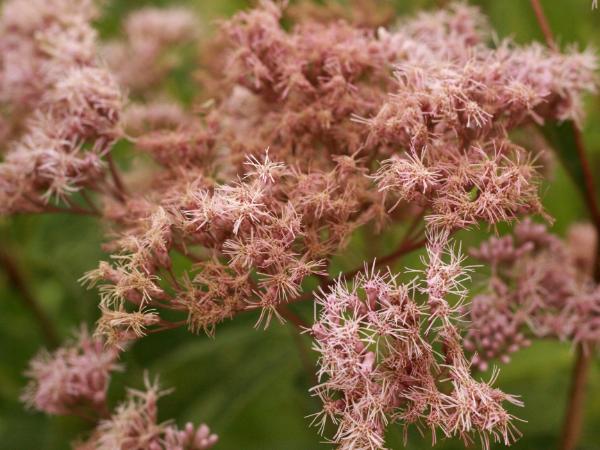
<point>256,224</point>
<point>74,380</point>
<point>151,35</point>
<point>69,105</point>
<point>539,286</point>
<point>314,130</point>
<point>454,103</point>
<point>385,357</point>
<point>134,426</point>
<point>40,39</point>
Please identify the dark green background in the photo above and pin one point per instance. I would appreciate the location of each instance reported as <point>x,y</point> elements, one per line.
<point>249,385</point>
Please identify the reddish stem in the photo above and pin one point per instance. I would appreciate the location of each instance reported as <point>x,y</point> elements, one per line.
<point>45,208</point>
<point>404,249</point>
<point>71,210</point>
<point>165,325</point>
<point>590,191</point>
<point>90,202</point>
<point>543,23</point>
<point>304,355</point>
<point>573,420</point>
<point>114,172</point>
<point>294,318</point>
<point>574,415</point>
<point>17,280</point>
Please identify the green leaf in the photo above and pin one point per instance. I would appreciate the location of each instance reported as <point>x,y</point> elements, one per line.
<point>247,384</point>
<point>562,139</point>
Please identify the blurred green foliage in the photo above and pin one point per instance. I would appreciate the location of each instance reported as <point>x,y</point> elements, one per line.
<point>250,385</point>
